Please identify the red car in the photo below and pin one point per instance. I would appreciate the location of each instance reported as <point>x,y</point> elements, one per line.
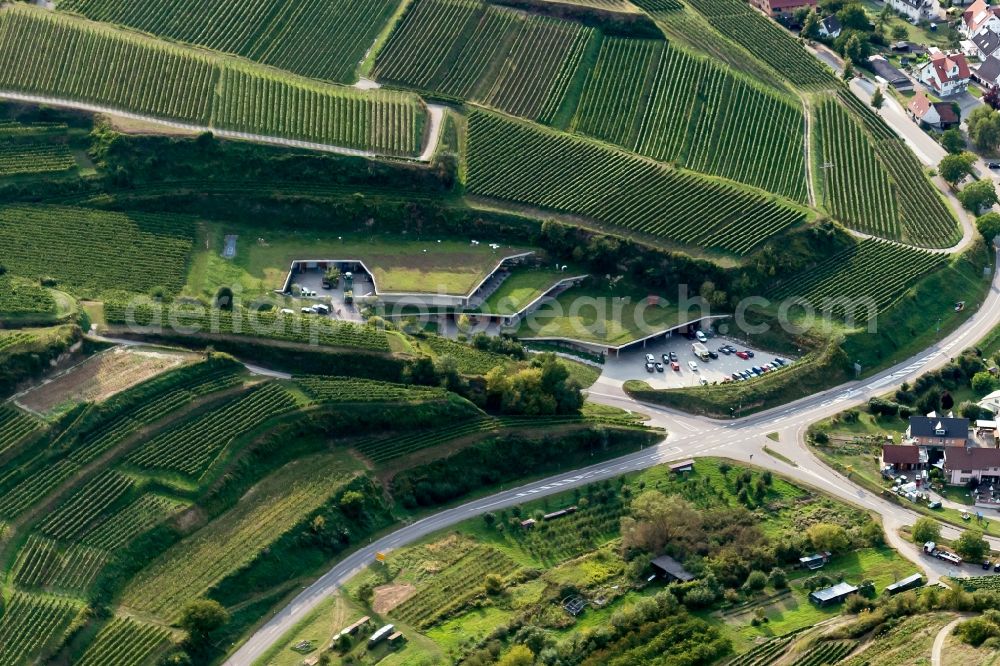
<point>674,365</point>
<point>743,355</point>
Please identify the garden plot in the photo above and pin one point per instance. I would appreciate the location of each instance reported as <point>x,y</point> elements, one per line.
<point>98,378</point>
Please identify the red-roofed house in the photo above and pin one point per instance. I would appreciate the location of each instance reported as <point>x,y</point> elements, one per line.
<point>946,74</point>
<point>778,7</point>
<point>962,464</point>
<point>939,115</point>
<point>979,16</point>
<point>902,458</point>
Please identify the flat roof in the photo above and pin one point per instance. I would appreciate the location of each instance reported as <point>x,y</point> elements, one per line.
<point>835,592</point>
<point>673,567</point>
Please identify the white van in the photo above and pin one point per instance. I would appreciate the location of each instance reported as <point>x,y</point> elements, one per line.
<point>701,336</point>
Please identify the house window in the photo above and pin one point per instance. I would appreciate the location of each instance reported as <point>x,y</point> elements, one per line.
<point>966,471</point>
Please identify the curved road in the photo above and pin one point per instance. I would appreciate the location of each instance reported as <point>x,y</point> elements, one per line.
<point>689,436</point>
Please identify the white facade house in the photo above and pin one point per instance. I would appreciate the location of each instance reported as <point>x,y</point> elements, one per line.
<point>917,10</point>
<point>978,17</point>
<point>965,464</point>
<point>991,402</point>
<point>945,74</point>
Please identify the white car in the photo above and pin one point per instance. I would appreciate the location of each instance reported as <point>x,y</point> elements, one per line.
<point>286,311</point>
<point>308,311</point>
<point>650,358</point>
<point>701,336</point>
<point>693,366</point>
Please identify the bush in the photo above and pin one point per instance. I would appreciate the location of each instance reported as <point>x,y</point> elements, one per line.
<point>755,581</point>
<point>778,579</point>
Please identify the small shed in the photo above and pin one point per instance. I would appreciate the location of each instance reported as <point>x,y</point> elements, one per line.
<point>381,635</point>
<point>527,524</point>
<point>559,514</point>
<point>682,466</point>
<point>396,639</point>
<point>671,569</point>
<point>814,561</point>
<point>832,595</point>
<point>908,583</point>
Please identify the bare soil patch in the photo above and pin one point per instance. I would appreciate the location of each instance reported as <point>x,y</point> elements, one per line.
<point>98,378</point>
<point>388,597</point>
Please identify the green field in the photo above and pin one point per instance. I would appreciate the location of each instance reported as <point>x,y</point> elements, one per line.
<point>602,316</point>
<point>522,287</point>
<point>264,255</point>
<point>34,149</point>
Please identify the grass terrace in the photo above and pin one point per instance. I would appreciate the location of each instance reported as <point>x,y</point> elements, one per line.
<point>522,287</point>
<point>263,256</point>
<point>593,313</point>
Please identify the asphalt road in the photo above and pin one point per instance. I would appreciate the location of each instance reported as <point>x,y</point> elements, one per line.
<point>689,436</point>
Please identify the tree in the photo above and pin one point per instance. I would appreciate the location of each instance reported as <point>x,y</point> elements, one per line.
<point>953,168</point>
<point>971,545</point>
<point>878,99</point>
<point>853,17</point>
<point>332,276</point>
<point>953,141</point>
<point>983,382</point>
<point>657,520</point>
<point>992,97</point>
<point>543,388</point>
<point>979,195</point>
<point>850,45</point>
<point>926,529</point>
<point>756,581</point>
<point>848,69</point>
<point>989,225</point>
<point>900,32</point>
<point>351,503</point>
<point>493,584</point>
<point>810,26</point>
<point>778,579</point>
<point>984,128</point>
<point>201,617</point>
<point>827,536</point>
<point>224,298</point>
<point>519,655</point>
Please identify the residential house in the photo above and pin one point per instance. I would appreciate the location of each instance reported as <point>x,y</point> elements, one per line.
<point>991,402</point>
<point>978,17</point>
<point>986,42</point>
<point>945,74</point>
<point>915,10</point>
<point>779,7</point>
<point>937,431</point>
<point>904,457</point>
<point>988,73</point>
<point>890,74</point>
<point>830,27</point>
<point>939,115</point>
<point>832,595</point>
<point>964,464</point>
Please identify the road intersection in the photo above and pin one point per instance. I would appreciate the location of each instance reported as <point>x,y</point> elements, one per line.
<point>688,436</point>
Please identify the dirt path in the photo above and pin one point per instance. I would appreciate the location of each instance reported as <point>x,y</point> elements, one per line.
<point>433,135</point>
<point>940,639</point>
<point>807,150</point>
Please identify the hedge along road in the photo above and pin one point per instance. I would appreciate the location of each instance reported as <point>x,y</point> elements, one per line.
<point>435,115</point>
<point>689,436</point>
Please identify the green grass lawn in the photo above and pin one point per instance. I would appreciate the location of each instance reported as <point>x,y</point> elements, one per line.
<point>263,256</point>
<point>598,315</point>
<point>522,287</point>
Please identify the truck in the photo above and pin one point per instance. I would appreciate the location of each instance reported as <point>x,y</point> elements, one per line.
<point>931,548</point>
<point>700,350</point>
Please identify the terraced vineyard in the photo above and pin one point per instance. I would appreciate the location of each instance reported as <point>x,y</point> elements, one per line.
<point>660,101</point>
<point>323,40</point>
<point>30,149</point>
<point>74,515</point>
<point>467,49</point>
<point>354,389</point>
<point>764,654</point>
<point>869,277</point>
<point>471,361</point>
<point>529,165</point>
<point>90,250</point>
<point>873,182</point>
<point>21,298</point>
<point>10,340</point>
<point>194,445</point>
<point>265,324</point>
<point>453,586</point>
<point>118,529</point>
<point>386,122</point>
<point>29,624</point>
<point>767,41</point>
<point>20,490</point>
<point>15,426</point>
<point>380,450</point>
<point>190,567</point>
<point>825,653</point>
<point>43,564</point>
<point>856,188</point>
<point>133,73</point>
<point>125,642</point>
<point>974,583</point>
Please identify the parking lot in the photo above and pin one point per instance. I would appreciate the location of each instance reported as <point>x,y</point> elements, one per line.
<point>632,364</point>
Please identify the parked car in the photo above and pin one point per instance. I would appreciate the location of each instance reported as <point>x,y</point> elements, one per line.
<point>322,309</point>
<point>693,366</point>
<point>712,354</point>
<point>743,355</point>
<point>780,361</point>
<point>703,381</point>
<point>700,335</point>
<point>996,567</point>
<point>666,358</point>
<point>286,311</point>
<point>659,366</point>
<point>673,356</point>
<point>749,353</point>
<point>650,358</point>
<point>308,311</point>
<point>725,350</point>
<point>649,367</point>
<point>986,565</point>
<point>993,165</point>
<point>737,375</point>
<point>746,374</point>
<point>674,365</point>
